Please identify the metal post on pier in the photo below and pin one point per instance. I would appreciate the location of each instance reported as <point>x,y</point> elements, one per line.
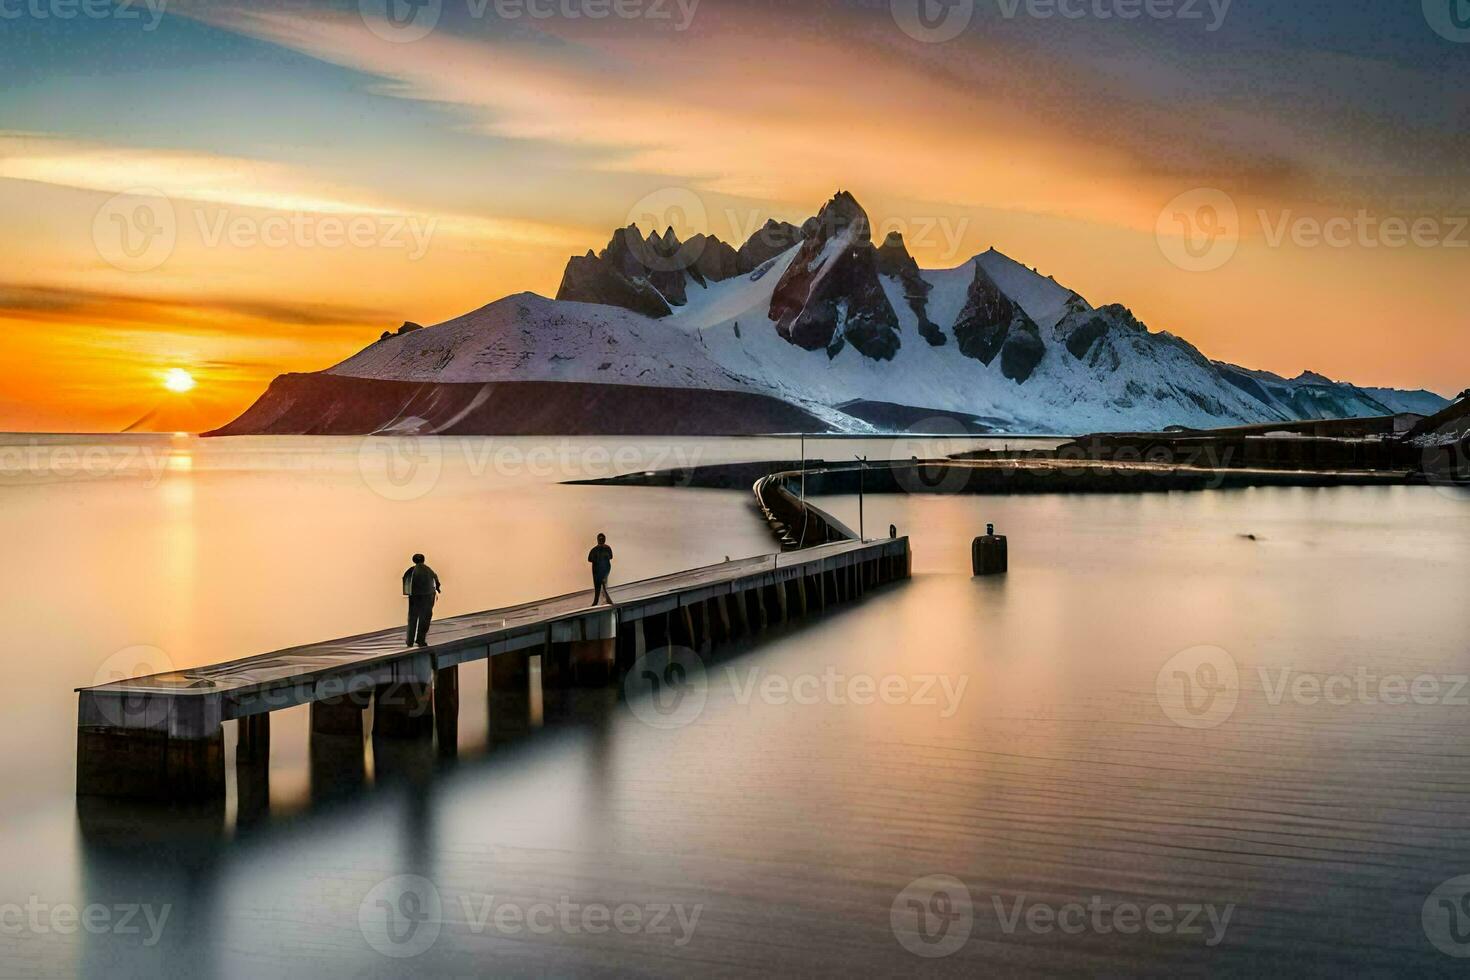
<point>862,474</point>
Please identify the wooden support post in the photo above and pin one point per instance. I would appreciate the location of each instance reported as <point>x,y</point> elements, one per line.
<point>338,767</point>
<point>760,618</point>
<point>556,666</point>
<point>704,626</point>
<point>338,716</point>
<point>446,710</point>
<point>253,738</point>
<point>403,709</point>
<point>252,767</point>
<point>801,606</point>
<point>742,613</point>
<point>630,637</point>
<point>593,661</point>
<point>510,695</point>
<point>687,637</point>
<point>821,589</point>
<point>722,611</point>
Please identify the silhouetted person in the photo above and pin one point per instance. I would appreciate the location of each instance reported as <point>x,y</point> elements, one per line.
<point>601,559</point>
<point>421,585</point>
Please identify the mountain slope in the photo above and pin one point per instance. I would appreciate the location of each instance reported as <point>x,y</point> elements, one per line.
<point>828,321</point>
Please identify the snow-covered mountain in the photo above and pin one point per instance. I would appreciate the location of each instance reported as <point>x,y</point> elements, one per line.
<point>847,334</point>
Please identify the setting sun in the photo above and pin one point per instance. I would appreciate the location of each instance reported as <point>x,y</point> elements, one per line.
<point>178,380</point>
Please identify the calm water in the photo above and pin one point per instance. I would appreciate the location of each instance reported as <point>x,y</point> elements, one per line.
<point>1157,746</point>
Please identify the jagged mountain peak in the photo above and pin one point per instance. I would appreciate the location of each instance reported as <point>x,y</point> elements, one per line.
<point>838,216</point>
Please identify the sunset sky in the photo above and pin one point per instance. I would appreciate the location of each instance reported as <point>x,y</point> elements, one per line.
<point>316,173</point>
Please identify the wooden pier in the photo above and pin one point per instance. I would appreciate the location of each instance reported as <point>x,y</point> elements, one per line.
<point>161,738</point>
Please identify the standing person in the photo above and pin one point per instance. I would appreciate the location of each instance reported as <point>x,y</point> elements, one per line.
<point>421,585</point>
<point>600,558</point>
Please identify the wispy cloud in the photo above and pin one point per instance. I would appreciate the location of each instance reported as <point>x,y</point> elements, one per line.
<point>248,183</point>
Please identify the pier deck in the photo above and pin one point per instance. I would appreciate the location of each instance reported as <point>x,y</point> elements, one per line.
<point>171,721</point>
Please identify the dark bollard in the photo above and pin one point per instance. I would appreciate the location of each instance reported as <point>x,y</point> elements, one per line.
<point>988,554</point>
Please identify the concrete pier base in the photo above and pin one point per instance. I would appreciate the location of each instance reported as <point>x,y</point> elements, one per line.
<point>253,738</point>
<point>510,696</point>
<point>149,765</point>
<point>403,710</point>
<point>989,555</point>
<point>556,667</point>
<point>446,711</point>
<point>338,716</point>
<point>593,662</point>
<point>338,765</point>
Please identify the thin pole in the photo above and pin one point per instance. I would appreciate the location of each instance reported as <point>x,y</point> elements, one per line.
<point>803,467</point>
<point>862,474</point>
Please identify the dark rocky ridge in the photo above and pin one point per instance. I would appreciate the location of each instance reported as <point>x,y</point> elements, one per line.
<point>648,275</point>
<point>328,404</point>
<point>894,260</point>
<point>992,323</point>
<point>825,301</point>
<point>770,241</point>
